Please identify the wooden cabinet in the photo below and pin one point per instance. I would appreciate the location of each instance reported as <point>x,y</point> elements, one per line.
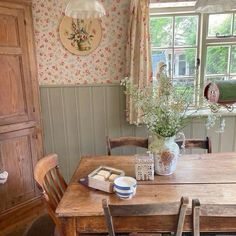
<point>20,133</point>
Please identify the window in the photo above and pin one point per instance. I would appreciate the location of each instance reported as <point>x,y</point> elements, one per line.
<point>196,48</point>
<point>220,47</point>
<point>175,41</point>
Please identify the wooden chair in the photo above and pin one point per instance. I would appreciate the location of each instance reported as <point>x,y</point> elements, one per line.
<point>48,177</point>
<point>178,208</point>
<point>125,141</point>
<point>209,210</point>
<point>197,143</point>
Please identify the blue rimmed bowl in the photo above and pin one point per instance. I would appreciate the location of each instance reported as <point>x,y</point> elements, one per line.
<point>125,187</point>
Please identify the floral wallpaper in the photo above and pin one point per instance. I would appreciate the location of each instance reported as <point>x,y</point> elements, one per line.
<point>56,65</point>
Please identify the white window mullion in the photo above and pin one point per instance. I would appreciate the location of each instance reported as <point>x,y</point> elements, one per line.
<point>233,23</point>
<point>229,61</point>
<point>173,47</point>
<point>202,55</point>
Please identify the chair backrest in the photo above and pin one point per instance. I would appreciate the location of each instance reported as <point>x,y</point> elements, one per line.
<point>197,143</point>
<point>48,177</point>
<point>125,141</point>
<point>209,210</point>
<point>177,208</point>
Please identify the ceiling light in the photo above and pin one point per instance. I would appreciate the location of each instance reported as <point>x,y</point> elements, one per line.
<point>85,9</point>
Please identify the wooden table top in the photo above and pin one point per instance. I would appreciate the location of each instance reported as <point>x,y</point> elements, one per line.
<point>209,177</point>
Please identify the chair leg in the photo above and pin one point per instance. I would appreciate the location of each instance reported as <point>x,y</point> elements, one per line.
<point>196,217</point>
<point>182,214</point>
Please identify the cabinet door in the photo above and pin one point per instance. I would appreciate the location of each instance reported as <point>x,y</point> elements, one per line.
<point>15,84</point>
<point>17,157</point>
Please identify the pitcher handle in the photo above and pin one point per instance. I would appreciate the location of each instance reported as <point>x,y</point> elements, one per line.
<point>133,189</point>
<point>181,135</point>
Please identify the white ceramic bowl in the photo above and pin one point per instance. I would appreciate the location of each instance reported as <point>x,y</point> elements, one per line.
<point>125,187</point>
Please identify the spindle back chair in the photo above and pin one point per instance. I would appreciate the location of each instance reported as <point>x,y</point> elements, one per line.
<point>176,208</point>
<point>209,210</point>
<point>197,143</point>
<point>125,141</point>
<point>50,180</point>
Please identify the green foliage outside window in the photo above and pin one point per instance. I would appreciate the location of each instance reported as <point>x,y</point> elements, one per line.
<point>185,30</point>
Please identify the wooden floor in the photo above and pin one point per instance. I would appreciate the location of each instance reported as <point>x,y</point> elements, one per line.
<point>16,223</point>
<point>41,226</point>
<point>19,231</point>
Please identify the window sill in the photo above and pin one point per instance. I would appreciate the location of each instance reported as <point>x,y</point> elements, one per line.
<point>206,112</point>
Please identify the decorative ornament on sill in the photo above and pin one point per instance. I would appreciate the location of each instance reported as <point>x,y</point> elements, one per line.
<point>221,93</point>
<point>214,6</point>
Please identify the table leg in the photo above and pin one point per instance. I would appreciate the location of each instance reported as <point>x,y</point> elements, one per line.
<point>68,225</point>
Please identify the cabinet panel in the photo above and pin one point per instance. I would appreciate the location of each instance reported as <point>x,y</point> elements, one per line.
<point>15,77</point>
<point>17,158</point>
<point>13,100</point>
<point>8,31</point>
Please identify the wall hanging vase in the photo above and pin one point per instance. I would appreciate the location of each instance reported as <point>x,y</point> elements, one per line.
<point>80,36</point>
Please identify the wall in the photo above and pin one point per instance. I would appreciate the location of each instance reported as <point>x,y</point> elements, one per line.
<point>58,66</point>
<point>77,120</point>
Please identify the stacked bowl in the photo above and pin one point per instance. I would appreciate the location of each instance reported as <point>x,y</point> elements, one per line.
<point>125,187</point>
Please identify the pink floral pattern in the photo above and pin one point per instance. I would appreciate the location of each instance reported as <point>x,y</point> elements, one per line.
<point>58,66</point>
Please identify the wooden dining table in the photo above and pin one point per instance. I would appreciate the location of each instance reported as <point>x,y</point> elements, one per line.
<point>209,177</point>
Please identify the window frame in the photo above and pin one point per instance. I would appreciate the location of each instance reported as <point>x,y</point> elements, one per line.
<point>203,42</point>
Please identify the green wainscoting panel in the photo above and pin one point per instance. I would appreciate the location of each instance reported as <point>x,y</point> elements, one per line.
<point>77,119</point>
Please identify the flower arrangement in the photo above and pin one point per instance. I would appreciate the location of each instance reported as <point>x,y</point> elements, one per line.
<point>164,109</point>
<point>80,35</point>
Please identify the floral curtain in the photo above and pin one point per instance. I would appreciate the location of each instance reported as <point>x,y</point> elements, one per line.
<point>138,53</point>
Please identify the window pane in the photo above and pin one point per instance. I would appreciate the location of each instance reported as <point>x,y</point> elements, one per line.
<point>184,62</point>
<point>185,86</point>
<point>220,24</point>
<point>161,29</point>
<point>161,55</point>
<point>217,60</point>
<point>186,30</point>
<point>233,60</point>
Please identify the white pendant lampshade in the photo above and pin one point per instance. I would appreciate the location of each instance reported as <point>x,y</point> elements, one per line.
<point>214,6</point>
<point>84,9</point>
